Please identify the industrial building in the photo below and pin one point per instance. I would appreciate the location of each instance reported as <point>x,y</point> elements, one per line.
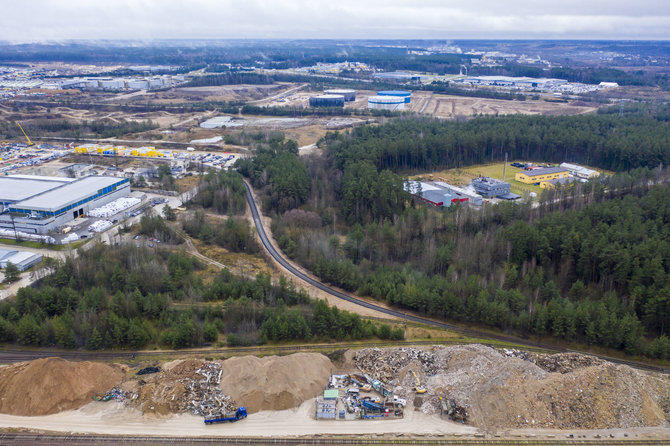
<point>397,76</point>
<point>442,194</point>
<point>406,95</point>
<point>327,100</point>
<point>581,172</point>
<point>21,259</point>
<point>349,95</point>
<point>557,182</point>
<point>539,175</point>
<point>490,187</point>
<point>393,103</point>
<point>37,205</point>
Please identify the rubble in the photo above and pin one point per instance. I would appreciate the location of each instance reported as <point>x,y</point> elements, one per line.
<point>509,388</point>
<point>385,364</point>
<point>557,362</point>
<point>564,362</point>
<point>115,394</point>
<point>452,410</point>
<point>185,386</point>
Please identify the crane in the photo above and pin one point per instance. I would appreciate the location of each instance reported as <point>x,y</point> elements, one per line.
<point>30,143</point>
<point>419,388</point>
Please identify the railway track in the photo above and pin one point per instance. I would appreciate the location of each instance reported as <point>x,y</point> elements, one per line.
<point>408,316</point>
<point>31,438</point>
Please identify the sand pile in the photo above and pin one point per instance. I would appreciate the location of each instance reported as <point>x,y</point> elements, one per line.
<point>275,383</point>
<point>51,385</point>
<point>502,391</point>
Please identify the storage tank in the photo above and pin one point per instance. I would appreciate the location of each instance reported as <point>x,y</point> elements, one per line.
<point>138,84</point>
<point>406,95</point>
<point>394,103</point>
<point>349,95</point>
<point>327,100</point>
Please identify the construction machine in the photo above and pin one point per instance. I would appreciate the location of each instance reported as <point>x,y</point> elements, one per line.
<point>419,388</point>
<point>30,143</point>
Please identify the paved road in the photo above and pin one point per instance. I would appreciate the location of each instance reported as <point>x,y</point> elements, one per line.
<point>406,316</point>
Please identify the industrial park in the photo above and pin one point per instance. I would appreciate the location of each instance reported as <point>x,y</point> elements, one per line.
<point>264,224</point>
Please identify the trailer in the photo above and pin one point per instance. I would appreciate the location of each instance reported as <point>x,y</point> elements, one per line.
<point>240,413</point>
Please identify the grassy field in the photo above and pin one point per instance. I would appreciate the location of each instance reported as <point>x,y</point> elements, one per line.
<point>463,176</point>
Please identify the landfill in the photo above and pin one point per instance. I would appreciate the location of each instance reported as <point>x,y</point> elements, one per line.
<point>114,207</point>
<point>182,386</point>
<point>506,388</point>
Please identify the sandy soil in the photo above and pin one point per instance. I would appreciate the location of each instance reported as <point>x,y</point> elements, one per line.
<point>443,106</point>
<point>114,419</point>
<point>451,106</point>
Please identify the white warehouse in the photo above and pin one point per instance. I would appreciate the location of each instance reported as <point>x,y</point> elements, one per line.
<point>37,205</point>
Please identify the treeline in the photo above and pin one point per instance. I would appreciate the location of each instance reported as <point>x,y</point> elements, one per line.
<point>447,88</point>
<point>64,127</point>
<point>234,234</point>
<point>583,263</point>
<point>223,191</point>
<point>127,297</point>
<point>596,75</point>
<point>573,267</point>
<point>277,166</point>
<point>605,141</point>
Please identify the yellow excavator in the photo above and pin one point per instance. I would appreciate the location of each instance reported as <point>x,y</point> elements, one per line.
<point>30,143</point>
<point>419,388</point>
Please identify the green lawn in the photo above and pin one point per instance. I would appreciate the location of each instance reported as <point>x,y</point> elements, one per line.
<point>463,176</point>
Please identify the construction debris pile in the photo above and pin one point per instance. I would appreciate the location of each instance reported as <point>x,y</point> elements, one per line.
<point>204,396</point>
<point>181,386</point>
<point>509,388</point>
<point>115,394</point>
<point>558,362</point>
<point>385,364</point>
<point>564,362</point>
<point>455,412</point>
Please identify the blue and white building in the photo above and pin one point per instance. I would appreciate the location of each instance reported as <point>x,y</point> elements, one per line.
<point>37,205</point>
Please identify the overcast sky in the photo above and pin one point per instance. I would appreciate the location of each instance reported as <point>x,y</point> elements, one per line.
<point>40,20</point>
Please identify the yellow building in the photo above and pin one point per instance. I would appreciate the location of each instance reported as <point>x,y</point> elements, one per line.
<point>540,175</point>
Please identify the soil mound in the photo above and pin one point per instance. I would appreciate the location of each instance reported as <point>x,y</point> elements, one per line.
<point>50,385</point>
<point>275,382</point>
<point>502,390</point>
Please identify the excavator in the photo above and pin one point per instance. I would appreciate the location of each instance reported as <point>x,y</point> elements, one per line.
<point>30,143</point>
<point>419,388</point>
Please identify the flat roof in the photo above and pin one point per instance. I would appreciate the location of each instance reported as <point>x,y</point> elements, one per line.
<point>331,393</point>
<point>489,180</point>
<point>543,171</point>
<point>15,188</point>
<point>7,253</point>
<point>67,194</point>
<point>394,93</point>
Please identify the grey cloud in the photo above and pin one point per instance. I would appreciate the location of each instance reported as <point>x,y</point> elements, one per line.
<point>145,19</point>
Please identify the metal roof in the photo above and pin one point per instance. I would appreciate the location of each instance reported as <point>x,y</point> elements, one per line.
<point>394,93</point>
<point>543,171</point>
<point>67,194</point>
<point>4,253</point>
<point>15,188</point>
